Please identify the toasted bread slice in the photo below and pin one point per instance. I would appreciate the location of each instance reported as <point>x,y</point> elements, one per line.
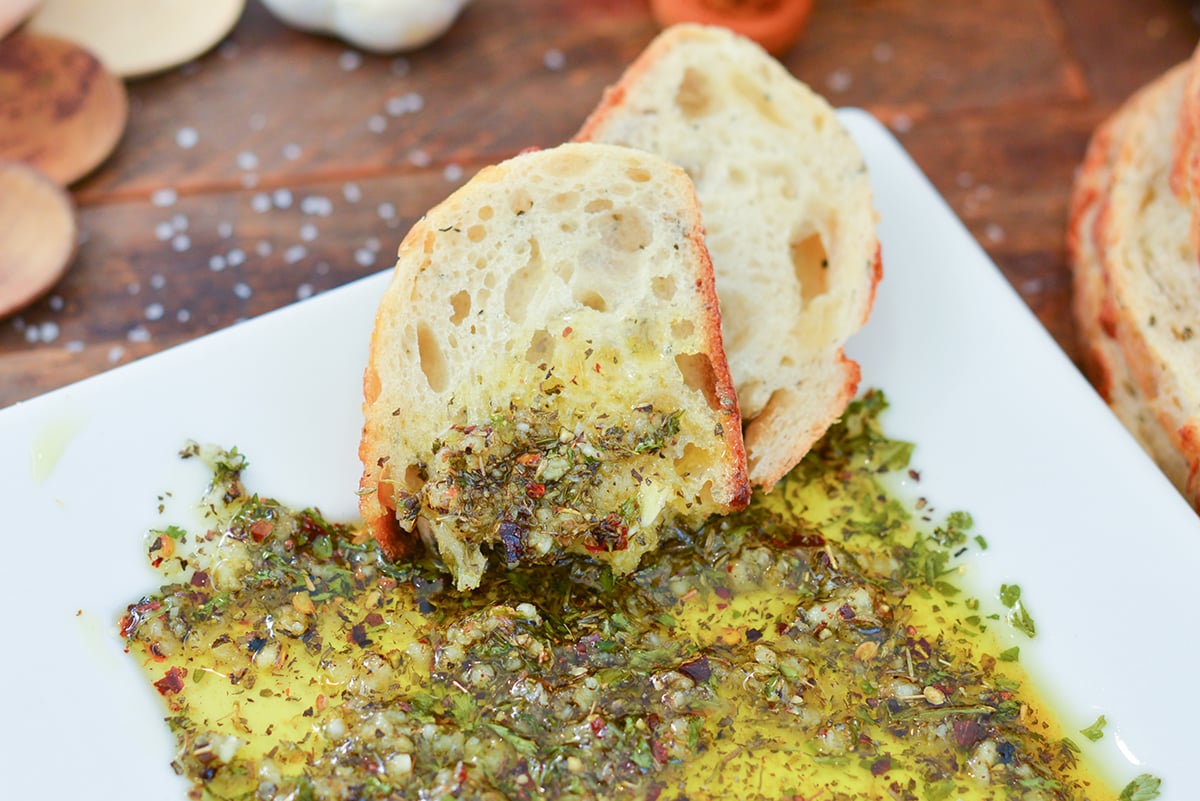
<point>1185,168</point>
<point>789,218</point>
<point>1135,266</point>
<point>546,373</point>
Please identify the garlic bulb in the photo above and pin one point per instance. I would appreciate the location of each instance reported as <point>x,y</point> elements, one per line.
<point>380,26</point>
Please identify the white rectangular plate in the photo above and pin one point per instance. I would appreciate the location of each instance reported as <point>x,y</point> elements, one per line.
<point>1106,552</point>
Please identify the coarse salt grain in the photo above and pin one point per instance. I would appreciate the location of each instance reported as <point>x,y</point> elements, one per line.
<point>294,254</point>
<point>994,232</point>
<point>282,198</point>
<point>115,354</point>
<point>164,197</point>
<point>139,333</point>
<point>32,334</point>
<point>261,203</point>
<point>452,172</point>
<point>902,123</point>
<point>386,211</point>
<point>839,80</point>
<point>883,52</point>
<point>377,123</point>
<point>224,230</point>
<point>247,161</point>
<point>364,257</point>
<point>164,231</point>
<point>372,244</point>
<point>183,315</point>
<point>322,268</point>
<point>158,281</point>
<point>352,193</point>
<point>74,346</point>
<point>249,180</point>
<point>236,257</point>
<point>242,290</point>
<point>179,222</point>
<point>48,331</point>
<point>133,287</point>
<point>554,59</point>
<point>263,248</point>
<point>317,205</point>
<point>187,138</point>
<point>217,263</point>
<point>181,243</point>
<point>350,60</point>
<point>292,151</point>
<point>419,158</point>
<point>308,232</point>
<point>400,66</point>
<point>304,291</point>
<point>154,311</point>
<point>56,302</point>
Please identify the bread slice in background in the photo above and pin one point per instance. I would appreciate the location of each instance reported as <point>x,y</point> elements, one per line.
<point>789,217</point>
<point>1185,169</point>
<point>1135,263</point>
<point>1104,361</point>
<point>546,373</point>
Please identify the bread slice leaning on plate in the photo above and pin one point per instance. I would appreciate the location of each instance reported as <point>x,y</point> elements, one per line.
<point>1135,270</point>
<point>546,373</point>
<point>789,217</point>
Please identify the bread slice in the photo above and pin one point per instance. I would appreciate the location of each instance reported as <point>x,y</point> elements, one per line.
<point>546,373</point>
<point>1185,169</point>
<point>1143,295</point>
<point>1104,361</point>
<point>789,217</point>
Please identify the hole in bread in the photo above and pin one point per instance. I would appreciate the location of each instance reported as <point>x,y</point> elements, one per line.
<point>566,165</point>
<point>694,460</point>
<point>599,204</point>
<point>628,230</point>
<point>663,287</point>
<point>590,298</point>
<point>565,271</point>
<point>460,306</point>
<point>737,177</point>
<point>682,330</point>
<point>699,375</point>
<point>754,92</point>
<point>541,347</point>
<point>485,213</point>
<point>477,233</point>
<point>568,227</point>
<point>638,175</point>
<point>520,201</point>
<point>524,284</point>
<point>433,361</point>
<point>811,265</point>
<point>412,478</point>
<point>563,201</point>
<point>695,94</point>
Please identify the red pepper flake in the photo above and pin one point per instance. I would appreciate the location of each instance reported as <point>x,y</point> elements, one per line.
<point>358,636</point>
<point>881,765</point>
<point>137,613</point>
<point>531,459</point>
<point>373,619</point>
<point>200,579</point>
<point>597,367</point>
<point>723,592</point>
<point>567,331</point>
<point>171,683</point>
<point>535,490</point>
<point>845,612</point>
<point>321,701</point>
<point>261,529</point>
<point>598,726</point>
<point>659,751</point>
<point>968,732</point>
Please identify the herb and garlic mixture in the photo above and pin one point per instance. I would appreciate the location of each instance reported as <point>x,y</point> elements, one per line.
<point>813,646</point>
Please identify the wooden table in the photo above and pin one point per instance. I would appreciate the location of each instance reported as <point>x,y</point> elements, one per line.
<point>281,165</point>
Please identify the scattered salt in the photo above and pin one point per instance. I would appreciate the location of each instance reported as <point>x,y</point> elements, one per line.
<point>164,231</point>
<point>217,263</point>
<point>74,346</point>
<point>154,311</point>
<point>115,354</point>
<point>263,248</point>
<point>839,80</point>
<point>554,59</point>
<point>364,257</point>
<point>49,331</point>
<point>164,197</point>
<point>139,333</point>
<point>352,193</point>
<point>294,254</point>
<point>247,161</point>
<point>292,151</point>
<point>56,302</point>
<point>308,232</point>
<point>261,203</point>
<point>183,315</point>
<point>236,257</point>
<point>282,198</point>
<point>419,158</point>
<point>242,290</point>
<point>452,173</point>
<point>179,222</point>
<point>181,243</point>
<point>994,233</point>
<point>317,205</point>
<point>187,138</point>
<point>386,211</point>
<point>158,281</point>
<point>372,244</point>
<point>883,52</point>
<point>377,123</point>
<point>304,291</point>
<point>350,60</point>
<point>224,230</point>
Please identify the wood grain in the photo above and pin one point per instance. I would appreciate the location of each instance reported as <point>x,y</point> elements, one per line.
<point>201,217</point>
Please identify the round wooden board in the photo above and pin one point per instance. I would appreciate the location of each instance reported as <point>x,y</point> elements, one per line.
<point>139,37</point>
<point>61,110</point>
<point>13,13</point>
<point>37,234</point>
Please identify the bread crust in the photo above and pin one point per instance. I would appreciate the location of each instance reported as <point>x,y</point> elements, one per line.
<point>802,379</point>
